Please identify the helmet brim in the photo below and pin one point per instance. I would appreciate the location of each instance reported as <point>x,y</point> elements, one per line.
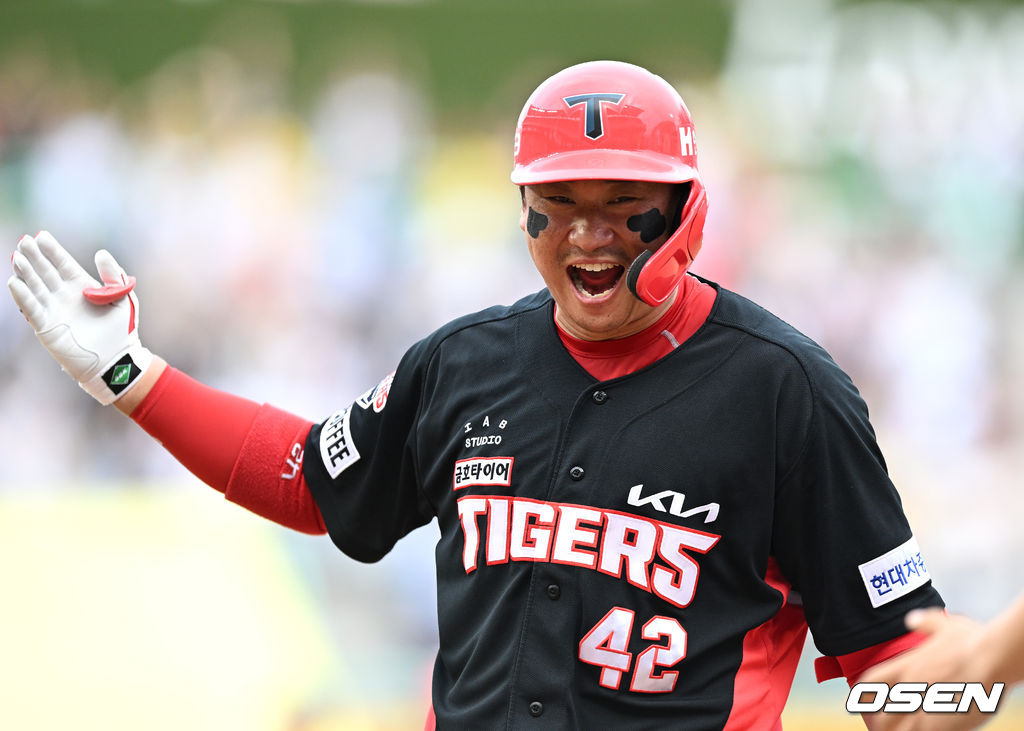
<point>604,165</point>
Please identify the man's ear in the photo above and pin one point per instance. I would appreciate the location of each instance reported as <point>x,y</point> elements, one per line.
<point>522,212</point>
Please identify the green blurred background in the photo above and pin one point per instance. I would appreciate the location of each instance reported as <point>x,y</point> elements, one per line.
<point>305,188</point>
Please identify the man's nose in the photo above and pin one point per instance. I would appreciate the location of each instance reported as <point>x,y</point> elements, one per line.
<point>590,231</point>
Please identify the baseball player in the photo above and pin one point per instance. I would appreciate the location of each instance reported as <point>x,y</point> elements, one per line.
<point>647,486</point>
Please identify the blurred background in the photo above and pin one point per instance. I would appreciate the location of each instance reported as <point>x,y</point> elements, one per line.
<point>303,189</point>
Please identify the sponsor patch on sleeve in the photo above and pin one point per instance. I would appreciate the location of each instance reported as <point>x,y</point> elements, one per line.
<point>380,394</point>
<point>483,471</point>
<point>377,396</point>
<point>894,574</point>
<point>337,450</point>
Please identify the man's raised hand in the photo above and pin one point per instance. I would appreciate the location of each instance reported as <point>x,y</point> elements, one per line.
<point>90,327</point>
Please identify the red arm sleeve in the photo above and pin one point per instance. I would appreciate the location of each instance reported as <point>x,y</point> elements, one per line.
<point>251,453</point>
<point>852,666</point>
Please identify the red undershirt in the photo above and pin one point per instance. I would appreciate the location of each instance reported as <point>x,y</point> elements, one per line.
<point>607,359</point>
<point>253,453</point>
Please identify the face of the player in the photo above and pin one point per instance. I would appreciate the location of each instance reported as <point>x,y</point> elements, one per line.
<point>582,236</point>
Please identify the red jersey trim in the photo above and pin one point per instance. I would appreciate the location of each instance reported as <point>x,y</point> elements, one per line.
<point>853,665</point>
<point>771,653</point>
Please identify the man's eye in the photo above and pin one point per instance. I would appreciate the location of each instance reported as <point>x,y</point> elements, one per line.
<point>559,199</point>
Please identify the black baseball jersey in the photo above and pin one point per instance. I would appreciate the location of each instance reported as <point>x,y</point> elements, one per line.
<point>610,550</point>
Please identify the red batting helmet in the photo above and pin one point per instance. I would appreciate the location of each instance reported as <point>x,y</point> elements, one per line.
<point>608,120</point>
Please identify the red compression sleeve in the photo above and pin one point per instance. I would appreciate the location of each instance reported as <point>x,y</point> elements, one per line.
<point>202,427</point>
<point>251,453</point>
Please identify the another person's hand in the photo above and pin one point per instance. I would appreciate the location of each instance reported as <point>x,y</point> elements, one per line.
<point>89,327</point>
<point>956,651</point>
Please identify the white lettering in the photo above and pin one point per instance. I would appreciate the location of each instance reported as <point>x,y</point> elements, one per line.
<point>531,539</point>
<point>469,509</point>
<point>630,539</point>
<point>497,530</point>
<point>935,698</point>
<point>939,698</point>
<point>686,140</point>
<point>571,534</point>
<point>986,702</point>
<point>680,585</point>
<point>855,702</point>
<point>337,451</point>
<point>480,441</point>
<point>519,529</point>
<point>905,697</point>
<point>294,462</point>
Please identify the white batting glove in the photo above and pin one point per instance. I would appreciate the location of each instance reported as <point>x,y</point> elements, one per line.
<point>90,328</point>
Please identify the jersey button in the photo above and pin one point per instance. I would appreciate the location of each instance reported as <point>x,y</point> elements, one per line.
<point>536,708</point>
<point>576,473</point>
<point>599,397</point>
<point>553,591</point>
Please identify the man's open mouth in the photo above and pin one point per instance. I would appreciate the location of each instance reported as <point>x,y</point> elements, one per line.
<point>595,280</point>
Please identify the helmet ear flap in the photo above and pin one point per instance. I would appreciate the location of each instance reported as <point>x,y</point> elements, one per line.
<point>653,275</point>
<point>683,190</point>
<point>633,273</point>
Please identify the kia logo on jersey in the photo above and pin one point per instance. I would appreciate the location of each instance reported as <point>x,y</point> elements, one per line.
<point>594,128</point>
<point>670,501</point>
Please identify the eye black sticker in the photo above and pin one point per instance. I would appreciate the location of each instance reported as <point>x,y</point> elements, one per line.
<point>535,223</point>
<point>649,225</point>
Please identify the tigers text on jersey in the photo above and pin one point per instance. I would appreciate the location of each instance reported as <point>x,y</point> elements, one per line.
<point>634,553</point>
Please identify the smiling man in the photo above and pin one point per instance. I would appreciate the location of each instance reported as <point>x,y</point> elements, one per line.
<point>584,237</point>
<point>647,487</point>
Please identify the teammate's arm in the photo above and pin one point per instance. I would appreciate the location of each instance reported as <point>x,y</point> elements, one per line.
<point>958,649</point>
<point>250,452</point>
